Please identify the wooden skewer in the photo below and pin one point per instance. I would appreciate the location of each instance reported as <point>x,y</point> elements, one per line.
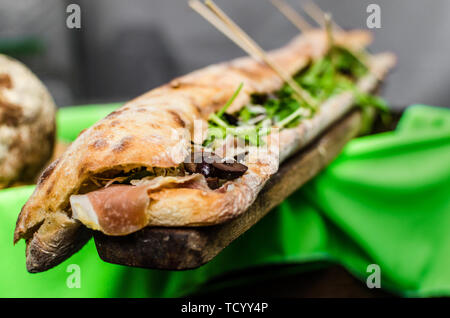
<point>213,14</point>
<point>300,92</point>
<point>234,29</point>
<point>292,15</point>
<point>317,14</point>
<point>329,28</point>
<point>322,16</point>
<point>197,6</point>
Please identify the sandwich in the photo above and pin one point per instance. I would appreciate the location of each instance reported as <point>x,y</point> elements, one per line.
<point>198,150</point>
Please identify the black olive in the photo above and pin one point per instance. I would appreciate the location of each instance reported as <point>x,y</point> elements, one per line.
<point>259,99</point>
<point>232,120</point>
<point>229,171</point>
<point>211,166</point>
<point>205,169</point>
<point>213,183</point>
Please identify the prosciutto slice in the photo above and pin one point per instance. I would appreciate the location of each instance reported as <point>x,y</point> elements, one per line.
<point>122,209</point>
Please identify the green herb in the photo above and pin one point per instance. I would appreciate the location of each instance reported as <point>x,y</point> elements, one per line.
<point>333,74</point>
<point>348,63</point>
<point>230,101</point>
<point>245,114</point>
<point>217,126</point>
<point>369,100</point>
<point>218,121</point>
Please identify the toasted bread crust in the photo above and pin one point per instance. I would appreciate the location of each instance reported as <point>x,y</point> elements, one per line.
<point>136,136</point>
<point>189,207</point>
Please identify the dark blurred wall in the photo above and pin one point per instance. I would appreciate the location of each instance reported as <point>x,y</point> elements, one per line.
<point>34,31</point>
<point>127,47</point>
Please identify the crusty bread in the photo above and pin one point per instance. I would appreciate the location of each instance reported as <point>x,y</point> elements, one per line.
<point>136,135</point>
<point>27,123</point>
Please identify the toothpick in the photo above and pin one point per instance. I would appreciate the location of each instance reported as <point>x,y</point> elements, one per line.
<point>255,48</point>
<point>314,9</point>
<point>292,15</point>
<point>329,28</point>
<point>200,8</point>
<point>317,14</point>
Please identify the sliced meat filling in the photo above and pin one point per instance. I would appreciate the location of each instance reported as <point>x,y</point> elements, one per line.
<point>121,209</point>
<point>116,210</point>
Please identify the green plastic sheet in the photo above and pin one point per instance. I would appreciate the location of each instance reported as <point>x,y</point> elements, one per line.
<point>385,200</point>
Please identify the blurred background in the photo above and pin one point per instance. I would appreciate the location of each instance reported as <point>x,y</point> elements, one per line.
<point>125,48</point>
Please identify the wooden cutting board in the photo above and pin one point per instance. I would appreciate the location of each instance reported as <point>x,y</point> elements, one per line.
<point>187,248</point>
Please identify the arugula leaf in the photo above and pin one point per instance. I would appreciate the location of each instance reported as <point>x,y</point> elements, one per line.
<point>230,101</point>
<point>333,74</point>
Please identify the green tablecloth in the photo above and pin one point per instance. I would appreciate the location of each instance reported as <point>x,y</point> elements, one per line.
<point>385,201</point>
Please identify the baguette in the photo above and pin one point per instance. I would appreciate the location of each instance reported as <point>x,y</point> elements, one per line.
<point>65,203</point>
